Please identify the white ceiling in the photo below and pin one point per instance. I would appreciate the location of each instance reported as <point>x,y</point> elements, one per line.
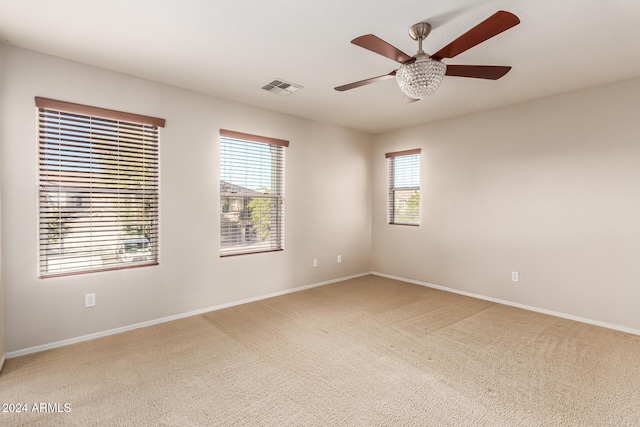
<point>230,49</point>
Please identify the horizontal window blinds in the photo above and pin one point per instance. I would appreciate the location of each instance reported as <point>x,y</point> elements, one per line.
<point>404,187</point>
<point>98,195</point>
<point>251,193</point>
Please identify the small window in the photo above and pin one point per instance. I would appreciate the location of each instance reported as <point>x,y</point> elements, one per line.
<point>251,193</point>
<point>404,187</point>
<point>98,191</point>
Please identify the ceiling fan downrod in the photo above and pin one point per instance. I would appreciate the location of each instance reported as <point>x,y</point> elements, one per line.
<point>419,32</point>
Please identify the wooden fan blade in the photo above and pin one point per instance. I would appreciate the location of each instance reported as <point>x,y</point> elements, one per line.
<point>381,47</point>
<point>490,72</point>
<point>492,26</point>
<point>366,82</point>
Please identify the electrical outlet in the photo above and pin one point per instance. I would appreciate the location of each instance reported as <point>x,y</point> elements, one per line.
<point>90,300</point>
<point>339,259</point>
<point>515,276</point>
<point>315,262</point>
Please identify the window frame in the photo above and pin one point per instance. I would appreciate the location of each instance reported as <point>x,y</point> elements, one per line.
<point>392,188</point>
<point>277,197</point>
<point>79,178</point>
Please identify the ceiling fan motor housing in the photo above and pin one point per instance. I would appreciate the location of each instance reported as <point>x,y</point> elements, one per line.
<point>420,31</point>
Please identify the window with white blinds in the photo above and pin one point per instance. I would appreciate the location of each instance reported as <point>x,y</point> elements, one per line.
<point>404,187</point>
<point>98,207</point>
<point>251,193</point>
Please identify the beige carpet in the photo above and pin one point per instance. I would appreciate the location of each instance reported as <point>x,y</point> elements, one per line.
<point>365,352</point>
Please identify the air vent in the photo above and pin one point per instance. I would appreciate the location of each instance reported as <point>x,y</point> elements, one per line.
<point>281,87</point>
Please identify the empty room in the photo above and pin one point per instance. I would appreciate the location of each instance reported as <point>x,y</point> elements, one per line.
<point>287,213</point>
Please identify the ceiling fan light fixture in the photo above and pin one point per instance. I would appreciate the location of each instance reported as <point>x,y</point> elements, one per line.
<point>422,77</point>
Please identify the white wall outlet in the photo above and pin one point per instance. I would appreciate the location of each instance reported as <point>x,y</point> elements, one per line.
<point>515,276</point>
<point>339,259</point>
<point>315,262</point>
<point>90,300</point>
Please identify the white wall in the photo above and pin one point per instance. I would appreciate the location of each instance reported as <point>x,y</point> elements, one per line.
<point>328,205</point>
<point>549,188</point>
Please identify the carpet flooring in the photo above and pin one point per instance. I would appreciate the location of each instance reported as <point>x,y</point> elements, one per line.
<point>369,351</point>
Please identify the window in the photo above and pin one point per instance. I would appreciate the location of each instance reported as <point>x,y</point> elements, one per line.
<point>404,187</point>
<point>251,193</point>
<point>98,196</point>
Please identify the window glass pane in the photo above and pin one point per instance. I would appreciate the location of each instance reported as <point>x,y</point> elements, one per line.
<point>407,171</point>
<point>248,165</point>
<point>406,206</point>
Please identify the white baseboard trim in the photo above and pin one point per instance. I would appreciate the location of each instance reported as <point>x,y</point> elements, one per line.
<point>89,337</point>
<point>514,304</point>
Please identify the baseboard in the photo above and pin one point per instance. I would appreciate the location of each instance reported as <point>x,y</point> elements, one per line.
<point>89,337</point>
<point>515,304</point>
<point>2,359</point>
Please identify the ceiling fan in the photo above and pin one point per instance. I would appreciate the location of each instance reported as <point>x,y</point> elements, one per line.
<point>421,74</point>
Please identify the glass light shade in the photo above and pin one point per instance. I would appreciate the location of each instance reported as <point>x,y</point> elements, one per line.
<point>421,77</point>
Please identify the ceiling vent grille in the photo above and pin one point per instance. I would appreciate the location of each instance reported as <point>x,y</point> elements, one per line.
<point>281,87</point>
